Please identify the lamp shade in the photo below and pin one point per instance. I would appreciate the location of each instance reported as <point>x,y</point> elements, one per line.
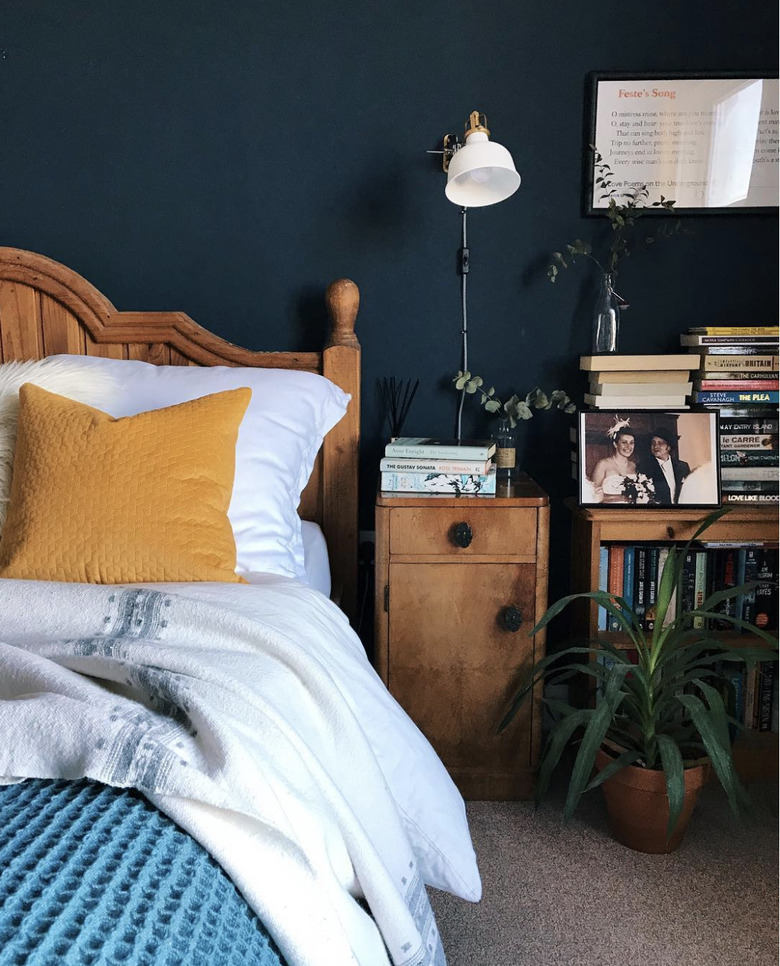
<point>481,173</point>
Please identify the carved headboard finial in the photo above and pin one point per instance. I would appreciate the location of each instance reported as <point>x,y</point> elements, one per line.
<point>343,300</point>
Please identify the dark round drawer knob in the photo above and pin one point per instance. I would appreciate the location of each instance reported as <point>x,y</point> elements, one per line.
<point>462,535</point>
<point>511,618</point>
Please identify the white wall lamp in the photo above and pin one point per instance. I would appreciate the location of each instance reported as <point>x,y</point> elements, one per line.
<point>479,173</point>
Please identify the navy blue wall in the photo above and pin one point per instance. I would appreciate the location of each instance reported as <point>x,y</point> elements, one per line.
<point>230,158</point>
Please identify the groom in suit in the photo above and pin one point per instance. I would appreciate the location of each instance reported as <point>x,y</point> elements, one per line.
<point>666,472</point>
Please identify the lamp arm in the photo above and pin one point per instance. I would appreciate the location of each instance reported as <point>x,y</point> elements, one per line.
<point>463,270</point>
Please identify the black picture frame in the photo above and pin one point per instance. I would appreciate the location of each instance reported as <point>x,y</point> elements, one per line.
<point>694,448</point>
<point>642,153</point>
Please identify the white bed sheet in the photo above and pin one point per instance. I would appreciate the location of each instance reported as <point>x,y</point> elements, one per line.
<point>315,557</point>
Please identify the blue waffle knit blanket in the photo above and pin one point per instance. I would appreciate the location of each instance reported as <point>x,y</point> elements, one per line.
<point>92,875</point>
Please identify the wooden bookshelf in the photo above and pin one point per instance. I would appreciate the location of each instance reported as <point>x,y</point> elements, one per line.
<point>756,753</point>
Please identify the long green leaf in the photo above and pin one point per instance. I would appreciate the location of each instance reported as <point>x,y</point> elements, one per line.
<point>672,763</point>
<point>666,589</point>
<point>770,639</point>
<point>545,669</point>
<point>593,737</point>
<point>718,713</point>
<point>554,747</point>
<point>558,707</point>
<point>614,606</point>
<point>722,761</point>
<point>629,757</point>
<point>727,593</point>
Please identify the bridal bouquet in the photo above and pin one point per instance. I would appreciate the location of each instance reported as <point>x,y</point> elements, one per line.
<point>638,489</point>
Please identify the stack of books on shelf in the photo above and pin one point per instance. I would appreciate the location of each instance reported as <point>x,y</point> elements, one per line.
<point>620,382</point>
<point>420,465</point>
<point>738,377</point>
<point>632,571</point>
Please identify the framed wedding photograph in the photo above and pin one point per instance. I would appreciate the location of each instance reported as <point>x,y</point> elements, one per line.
<point>649,458</point>
<point>707,141</point>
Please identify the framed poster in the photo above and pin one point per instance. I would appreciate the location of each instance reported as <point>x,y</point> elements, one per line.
<point>707,141</point>
<point>649,458</point>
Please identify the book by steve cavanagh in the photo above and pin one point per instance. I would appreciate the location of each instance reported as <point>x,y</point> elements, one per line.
<point>762,397</point>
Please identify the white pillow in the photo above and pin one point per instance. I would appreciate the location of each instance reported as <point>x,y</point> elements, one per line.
<point>315,557</point>
<point>288,416</point>
<point>61,374</point>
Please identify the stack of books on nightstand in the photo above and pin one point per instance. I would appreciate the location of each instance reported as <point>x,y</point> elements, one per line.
<point>424,465</point>
<point>738,377</point>
<point>618,382</point>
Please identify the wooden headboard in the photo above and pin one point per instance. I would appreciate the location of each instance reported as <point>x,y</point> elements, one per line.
<point>47,309</point>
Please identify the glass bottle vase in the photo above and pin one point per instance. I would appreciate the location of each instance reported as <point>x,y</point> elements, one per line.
<point>506,451</point>
<point>606,317</point>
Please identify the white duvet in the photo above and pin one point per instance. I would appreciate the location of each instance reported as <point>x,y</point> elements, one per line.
<point>251,716</point>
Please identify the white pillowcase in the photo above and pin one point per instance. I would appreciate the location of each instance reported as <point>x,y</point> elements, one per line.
<point>61,374</point>
<point>288,417</point>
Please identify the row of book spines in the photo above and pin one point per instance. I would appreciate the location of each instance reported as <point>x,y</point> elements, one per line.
<point>632,571</point>
<point>752,694</point>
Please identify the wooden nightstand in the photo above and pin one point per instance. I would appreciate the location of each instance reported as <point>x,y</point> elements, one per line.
<point>460,582</point>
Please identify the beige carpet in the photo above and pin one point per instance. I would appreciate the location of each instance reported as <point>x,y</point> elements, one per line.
<point>569,895</point>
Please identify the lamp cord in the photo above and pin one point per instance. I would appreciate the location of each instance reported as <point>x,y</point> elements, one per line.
<point>463,269</point>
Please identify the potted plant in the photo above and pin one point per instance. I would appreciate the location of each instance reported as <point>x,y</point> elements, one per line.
<point>660,726</point>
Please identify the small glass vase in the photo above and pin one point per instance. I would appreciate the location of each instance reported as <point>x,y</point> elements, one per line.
<point>506,449</point>
<point>606,317</point>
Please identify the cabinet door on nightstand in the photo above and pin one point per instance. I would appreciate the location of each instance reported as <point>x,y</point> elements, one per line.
<point>453,665</point>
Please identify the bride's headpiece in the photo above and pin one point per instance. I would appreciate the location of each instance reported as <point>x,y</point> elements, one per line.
<point>617,426</point>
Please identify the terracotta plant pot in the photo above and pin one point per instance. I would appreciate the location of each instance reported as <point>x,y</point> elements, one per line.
<point>638,807</point>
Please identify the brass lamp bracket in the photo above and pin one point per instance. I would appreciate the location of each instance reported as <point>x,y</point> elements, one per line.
<point>453,144</point>
<point>477,122</point>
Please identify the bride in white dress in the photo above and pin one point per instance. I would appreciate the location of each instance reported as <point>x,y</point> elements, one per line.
<point>610,472</point>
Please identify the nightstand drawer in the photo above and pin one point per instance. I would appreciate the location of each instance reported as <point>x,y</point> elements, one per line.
<point>470,531</point>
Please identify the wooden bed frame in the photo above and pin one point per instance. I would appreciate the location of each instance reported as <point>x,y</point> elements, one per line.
<point>47,309</point>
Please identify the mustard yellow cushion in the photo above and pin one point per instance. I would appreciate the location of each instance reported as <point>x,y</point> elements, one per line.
<point>140,499</point>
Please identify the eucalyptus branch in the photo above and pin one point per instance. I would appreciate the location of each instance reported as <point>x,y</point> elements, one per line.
<point>515,408</point>
<point>623,210</point>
